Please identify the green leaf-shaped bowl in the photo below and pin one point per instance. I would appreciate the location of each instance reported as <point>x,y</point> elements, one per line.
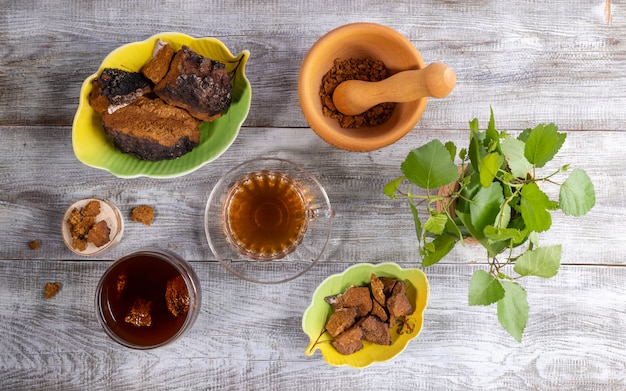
<point>316,315</point>
<point>95,149</point>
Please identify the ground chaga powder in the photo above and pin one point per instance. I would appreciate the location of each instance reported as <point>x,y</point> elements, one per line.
<point>365,69</point>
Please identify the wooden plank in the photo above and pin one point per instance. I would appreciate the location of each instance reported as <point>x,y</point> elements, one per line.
<point>553,61</point>
<point>556,61</point>
<point>248,336</point>
<point>45,178</point>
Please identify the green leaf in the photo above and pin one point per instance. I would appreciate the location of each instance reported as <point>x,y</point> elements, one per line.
<point>392,186</point>
<point>513,309</point>
<point>476,147</point>
<point>486,206</point>
<point>544,141</point>
<point>577,195</point>
<point>524,135</point>
<point>495,248</point>
<point>513,150</point>
<point>534,240</point>
<point>541,262</point>
<point>416,220</point>
<point>436,223</point>
<point>453,229</point>
<point>484,289</point>
<point>466,220</point>
<point>489,167</point>
<point>534,206</point>
<point>442,246</point>
<point>502,234</point>
<point>473,125</point>
<point>492,137</point>
<point>517,221</point>
<point>469,187</point>
<point>504,217</point>
<point>430,166</point>
<point>492,132</point>
<point>452,149</point>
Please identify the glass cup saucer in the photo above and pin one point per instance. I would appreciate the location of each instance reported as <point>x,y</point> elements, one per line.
<point>245,254</point>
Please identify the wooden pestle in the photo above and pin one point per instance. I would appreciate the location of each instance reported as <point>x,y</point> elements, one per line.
<point>354,97</point>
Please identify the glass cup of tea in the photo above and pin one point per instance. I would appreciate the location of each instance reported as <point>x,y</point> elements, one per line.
<point>268,220</point>
<point>148,298</point>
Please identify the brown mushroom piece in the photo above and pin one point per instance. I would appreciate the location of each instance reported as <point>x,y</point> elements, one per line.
<point>177,296</point>
<point>355,296</point>
<point>388,284</point>
<point>375,331</point>
<point>91,209</point>
<point>340,320</point>
<point>377,287</point>
<point>379,311</point>
<point>398,303</point>
<point>140,314</point>
<point>349,341</point>
<point>99,234</point>
<point>378,294</point>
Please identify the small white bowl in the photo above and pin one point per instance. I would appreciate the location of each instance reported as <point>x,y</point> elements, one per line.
<point>109,213</point>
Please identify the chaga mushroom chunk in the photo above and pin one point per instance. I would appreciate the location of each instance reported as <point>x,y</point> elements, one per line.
<point>355,296</point>
<point>398,304</point>
<point>379,311</point>
<point>99,234</point>
<point>378,294</point>
<point>177,296</point>
<point>120,284</point>
<point>91,209</point>
<point>388,284</point>
<point>377,287</point>
<point>349,341</point>
<point>375,331</point>
<point>159,64</point>
<point>340,320</point>
<point>139,315</point>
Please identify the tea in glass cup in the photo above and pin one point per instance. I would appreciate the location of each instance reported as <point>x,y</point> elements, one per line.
<point>268,209</point>
<point>265,215</point>
<point>147,299</point>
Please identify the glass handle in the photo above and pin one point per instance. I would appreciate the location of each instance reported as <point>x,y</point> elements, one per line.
<point>320,213</point>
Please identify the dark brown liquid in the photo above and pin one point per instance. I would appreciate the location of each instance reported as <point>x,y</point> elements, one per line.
<point>145,278</point>
<point>265,215</point>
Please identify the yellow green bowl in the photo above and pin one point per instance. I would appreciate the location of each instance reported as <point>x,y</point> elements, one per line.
<point>95,149</point>
<point>316,315</point>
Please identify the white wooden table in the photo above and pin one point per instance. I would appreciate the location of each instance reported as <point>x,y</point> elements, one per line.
<point>554,61</point>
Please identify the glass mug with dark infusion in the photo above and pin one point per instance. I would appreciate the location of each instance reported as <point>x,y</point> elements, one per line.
<point>268,210</point>
<point>148,298</point>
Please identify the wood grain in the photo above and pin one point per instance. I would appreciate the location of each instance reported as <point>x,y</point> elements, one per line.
<point>553,61</point>
<point>533,62</point>
<point>34,198</point>
<point>248,336</point>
